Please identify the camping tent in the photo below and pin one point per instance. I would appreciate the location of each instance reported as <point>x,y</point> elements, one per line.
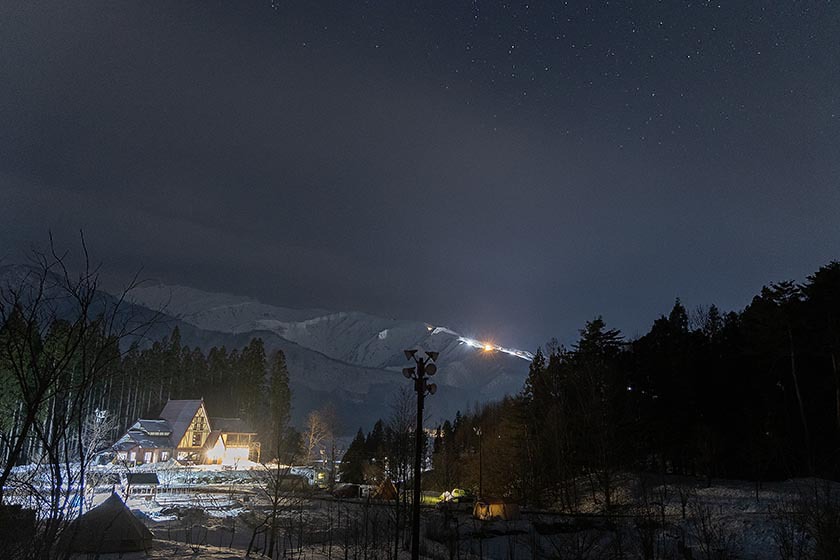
<point>487,509</point>
<point>109,527</point>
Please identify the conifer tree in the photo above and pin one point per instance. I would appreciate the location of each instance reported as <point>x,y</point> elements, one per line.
<point>251,382</point>
<point>279,396</point>
<point>352,464</point>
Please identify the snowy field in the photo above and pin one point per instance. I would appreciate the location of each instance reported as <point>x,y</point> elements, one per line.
<point>211,512</point>
<point>729,515</point>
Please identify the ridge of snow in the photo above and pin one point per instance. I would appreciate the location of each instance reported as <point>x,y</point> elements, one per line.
<point>480,368</point>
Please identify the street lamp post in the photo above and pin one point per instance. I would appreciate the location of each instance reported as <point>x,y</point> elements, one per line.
<point>477,430</point>
<point>424,369</point>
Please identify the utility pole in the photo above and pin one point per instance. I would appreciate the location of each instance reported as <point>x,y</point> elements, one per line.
<point>477,430</point>
<point>424,369</point>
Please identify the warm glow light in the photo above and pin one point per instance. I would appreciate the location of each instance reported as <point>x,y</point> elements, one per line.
<point>217,451</point>
<point>235,454</point>
<point>473,343</point>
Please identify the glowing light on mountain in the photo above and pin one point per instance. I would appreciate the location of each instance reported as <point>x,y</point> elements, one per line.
<point>479,345</point>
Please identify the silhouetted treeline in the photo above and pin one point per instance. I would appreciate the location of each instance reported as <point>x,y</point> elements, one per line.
<point>752,394</point>
<point>236,383</point>
<point>387,450</point>
<point>71,381</point>
<point>230,382</point>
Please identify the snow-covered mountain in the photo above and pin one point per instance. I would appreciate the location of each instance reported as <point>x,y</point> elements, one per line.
<point>214,311</point>
<point>351,359</point>
<point>354,337</point>
<point>469,371</point>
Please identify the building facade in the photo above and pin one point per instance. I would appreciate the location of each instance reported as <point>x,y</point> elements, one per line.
<point>185,433</point>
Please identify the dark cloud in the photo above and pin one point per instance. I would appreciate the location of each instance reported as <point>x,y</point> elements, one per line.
<point>512,170</point>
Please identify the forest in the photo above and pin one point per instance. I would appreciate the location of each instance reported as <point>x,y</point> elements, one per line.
<point>137,383</point>
<point>742,395</point>
<point>78,366</point>
<point>751,395</point>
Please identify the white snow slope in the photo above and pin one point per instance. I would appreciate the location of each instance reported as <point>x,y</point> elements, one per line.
<point>469,370</point>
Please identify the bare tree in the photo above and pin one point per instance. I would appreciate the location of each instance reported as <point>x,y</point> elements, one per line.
<point>401,424</point>
<point>281,491</point>
<point>96,433</point>
<point>329,418</point>
<point>60,338</point>
<point>709,531</point>
<point>808,526</point>
<point>320,428</point>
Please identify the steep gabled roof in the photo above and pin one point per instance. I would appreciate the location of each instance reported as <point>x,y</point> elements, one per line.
<point>179,414</point>
<point>231,425</point>
<point>124,443</point>
<point>139,439</point>
<point>211,440</point>
<point>133,479</point>
<point>152,426</point>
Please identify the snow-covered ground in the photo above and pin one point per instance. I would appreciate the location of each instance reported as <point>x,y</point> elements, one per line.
<point>734,511</point>
<point>224,505</point>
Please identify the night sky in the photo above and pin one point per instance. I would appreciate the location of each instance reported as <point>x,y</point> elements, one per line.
<point>509,169</point>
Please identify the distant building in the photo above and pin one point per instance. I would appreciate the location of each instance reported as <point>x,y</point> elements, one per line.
<point>231,440</point>
<point>140,484</point>
<point>190,428</point>
<point>146,441</point>
<point>185,433</point>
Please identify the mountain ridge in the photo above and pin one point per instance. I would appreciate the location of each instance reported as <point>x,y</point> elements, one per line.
<point>350,359</point>
<point>469,370</point>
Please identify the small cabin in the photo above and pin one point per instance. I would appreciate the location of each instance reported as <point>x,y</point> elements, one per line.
<point>232,441</point>
<point>140,485</point>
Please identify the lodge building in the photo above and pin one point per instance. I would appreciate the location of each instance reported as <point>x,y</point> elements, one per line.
<point>185,433</point>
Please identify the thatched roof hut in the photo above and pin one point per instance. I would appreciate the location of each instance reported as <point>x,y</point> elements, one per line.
<point>109,527</point>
